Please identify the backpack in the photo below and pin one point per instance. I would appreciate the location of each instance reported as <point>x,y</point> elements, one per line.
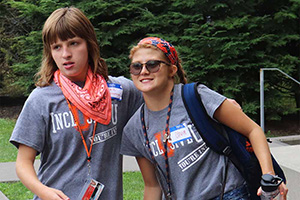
<point>226,141</point>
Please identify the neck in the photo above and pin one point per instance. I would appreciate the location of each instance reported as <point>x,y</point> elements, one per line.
<point>80,83</point>
<point>159,100</point>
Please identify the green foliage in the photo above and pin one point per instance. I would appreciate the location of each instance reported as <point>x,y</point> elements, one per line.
<point>8,151</point>
<point>230,47</point>
<point>222,43</point>
<point>133,188</point>
<point>15,190</point>
<point>133,185</point>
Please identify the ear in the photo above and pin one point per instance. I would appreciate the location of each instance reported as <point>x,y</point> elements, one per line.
<point>172,70</point>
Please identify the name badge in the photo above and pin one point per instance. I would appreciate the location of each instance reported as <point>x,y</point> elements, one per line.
<point>179,133</point>
<point>115,90</point>
<point>91,190</point>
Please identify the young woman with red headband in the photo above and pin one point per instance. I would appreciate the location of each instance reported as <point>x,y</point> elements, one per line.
<point>184,166</point>
<point>75,117</point>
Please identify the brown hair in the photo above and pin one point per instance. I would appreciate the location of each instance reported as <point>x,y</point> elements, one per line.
<point>180,74</point>
<point>65,23</point>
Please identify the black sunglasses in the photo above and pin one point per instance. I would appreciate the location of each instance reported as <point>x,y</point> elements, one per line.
<point>151,65</point>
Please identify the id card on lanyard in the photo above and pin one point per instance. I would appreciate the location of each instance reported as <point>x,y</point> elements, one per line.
<point>91,190</point>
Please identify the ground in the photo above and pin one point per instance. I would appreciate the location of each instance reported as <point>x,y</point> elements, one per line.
<point>288,126</point>
<point>11,112</point>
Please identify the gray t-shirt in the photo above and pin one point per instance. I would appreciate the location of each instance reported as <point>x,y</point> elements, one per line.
<point>47,125</point>
<point>196,172</point>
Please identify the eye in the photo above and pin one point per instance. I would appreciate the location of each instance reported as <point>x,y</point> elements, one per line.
<point>136,65</point>
<point>55,47</point>
<point>74,43</point>
<point>152,63</point>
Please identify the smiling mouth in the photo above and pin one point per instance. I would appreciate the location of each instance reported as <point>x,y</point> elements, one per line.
<point>145,80</point>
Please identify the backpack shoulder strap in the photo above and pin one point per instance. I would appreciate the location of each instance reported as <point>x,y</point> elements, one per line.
<point>209,130</point>
<point>202,121</point>
<point>233,145</point>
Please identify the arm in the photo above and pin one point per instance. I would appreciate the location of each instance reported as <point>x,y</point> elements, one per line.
<point>152,189</point>
<point>27,175</point>
<point>235,103</point>
<point>233,117</point>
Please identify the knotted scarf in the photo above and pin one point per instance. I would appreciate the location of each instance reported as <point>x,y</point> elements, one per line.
<point>164,46</point>
<point>93,100</point>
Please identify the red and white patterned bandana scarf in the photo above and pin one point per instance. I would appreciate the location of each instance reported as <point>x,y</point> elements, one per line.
<point>93,100</point>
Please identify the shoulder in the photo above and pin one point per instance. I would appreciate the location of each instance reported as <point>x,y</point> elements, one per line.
<point>44,92</point>
<point>210,99</point>
<point>120,80</point>
<point>127,84</point>
<point>134,121</point>
<point>206,92</point>
<point>41,96</point>
<point>204,89</point>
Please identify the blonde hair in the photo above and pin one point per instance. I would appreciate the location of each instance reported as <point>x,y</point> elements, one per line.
<point>65,23</point>
<point>180,74</point>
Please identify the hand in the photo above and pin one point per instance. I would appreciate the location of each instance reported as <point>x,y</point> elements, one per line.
<point>235,103</point>
<point>53,194</point>
<point>282,191</point>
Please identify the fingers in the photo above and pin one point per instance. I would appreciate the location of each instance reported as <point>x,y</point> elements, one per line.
<point>62,195</point>
<point>235,103</point>
<point>283,191</point>
<point>259,191</point>
<point>59,195</point>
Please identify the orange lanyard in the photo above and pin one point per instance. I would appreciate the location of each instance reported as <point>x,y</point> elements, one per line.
<point>76,119</point>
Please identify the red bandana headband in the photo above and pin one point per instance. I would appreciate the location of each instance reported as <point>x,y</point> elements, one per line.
<point>164,46</point>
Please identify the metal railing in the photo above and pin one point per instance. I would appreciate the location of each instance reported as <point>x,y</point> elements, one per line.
<point>262,113</point>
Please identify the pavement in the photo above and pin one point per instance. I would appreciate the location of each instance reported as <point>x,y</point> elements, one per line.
<point>286,151</point>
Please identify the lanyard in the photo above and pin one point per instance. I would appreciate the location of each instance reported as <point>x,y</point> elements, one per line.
<point>165,141</point>
<point>76,119</point>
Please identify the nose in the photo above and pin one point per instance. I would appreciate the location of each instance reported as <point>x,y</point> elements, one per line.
<point>66,52</point>
<point>144,69</point>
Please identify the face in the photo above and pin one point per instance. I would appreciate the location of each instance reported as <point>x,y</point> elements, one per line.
<point>71,57</point>
<point>156,82</point>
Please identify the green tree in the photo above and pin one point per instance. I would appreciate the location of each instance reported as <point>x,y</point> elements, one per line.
<point>239,38</point>
<point>222,43</point>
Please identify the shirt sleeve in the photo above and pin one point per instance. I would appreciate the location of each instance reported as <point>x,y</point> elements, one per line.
<point>30,127</point>
<point>128,148</point>
<point>131,94</point>
<point>135,97</point>
<point>210,99</point>
<point>133,138</point>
